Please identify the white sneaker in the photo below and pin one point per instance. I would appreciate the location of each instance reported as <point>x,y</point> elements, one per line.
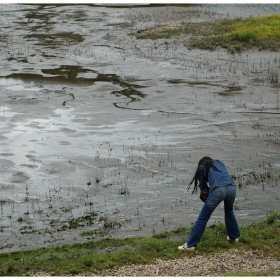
<point>186,248</point>
<point>235,240</point>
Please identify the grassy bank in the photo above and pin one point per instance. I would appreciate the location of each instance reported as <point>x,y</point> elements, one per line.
<point>235,34</point>
<point>263,237</point>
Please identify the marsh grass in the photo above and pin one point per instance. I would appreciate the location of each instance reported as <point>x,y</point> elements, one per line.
<point>235,34</point>
<point>263,237</point>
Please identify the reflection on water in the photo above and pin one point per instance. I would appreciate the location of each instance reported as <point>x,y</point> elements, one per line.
<point>74,76</point>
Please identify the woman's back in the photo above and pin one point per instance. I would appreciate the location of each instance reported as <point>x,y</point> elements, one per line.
<point>219,177</point>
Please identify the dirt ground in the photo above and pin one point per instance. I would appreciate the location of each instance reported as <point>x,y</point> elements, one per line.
<point>101,132</point>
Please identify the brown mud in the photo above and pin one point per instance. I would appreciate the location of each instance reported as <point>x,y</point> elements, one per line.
<point>101,132</point>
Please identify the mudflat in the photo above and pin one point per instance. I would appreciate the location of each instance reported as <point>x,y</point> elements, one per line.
<point>101,132</point>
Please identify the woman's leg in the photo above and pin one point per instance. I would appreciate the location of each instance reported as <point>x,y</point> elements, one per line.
<point>214,199</point>
<point>230,220</point>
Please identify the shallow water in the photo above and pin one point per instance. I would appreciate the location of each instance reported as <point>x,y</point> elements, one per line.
<point>101,132</point>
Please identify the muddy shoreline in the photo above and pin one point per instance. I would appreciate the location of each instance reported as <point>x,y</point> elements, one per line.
<point>100,132</point>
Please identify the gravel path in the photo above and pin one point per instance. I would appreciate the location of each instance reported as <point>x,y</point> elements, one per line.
<point>221,263</point>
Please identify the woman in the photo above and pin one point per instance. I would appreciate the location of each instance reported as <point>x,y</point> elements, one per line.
<point>221,188</point>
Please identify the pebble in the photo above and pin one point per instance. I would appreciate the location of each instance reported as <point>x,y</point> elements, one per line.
<point>221,263</point>
<point>238,261</point>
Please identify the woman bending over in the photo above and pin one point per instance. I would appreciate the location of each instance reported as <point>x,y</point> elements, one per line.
<point>221,188</point>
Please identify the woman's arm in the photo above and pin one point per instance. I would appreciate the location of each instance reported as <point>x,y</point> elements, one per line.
<point>201,177</point>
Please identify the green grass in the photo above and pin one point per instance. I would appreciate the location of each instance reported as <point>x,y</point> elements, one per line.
<point>91,257</point>
<point>235,35</point>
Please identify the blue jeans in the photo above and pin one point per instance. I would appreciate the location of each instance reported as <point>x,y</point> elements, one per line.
<point>216,196</point>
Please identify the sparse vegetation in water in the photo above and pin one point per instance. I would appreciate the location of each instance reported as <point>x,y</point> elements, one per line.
<point>82,221</point>
<point>236,34</point>
<point>268,175</point>
<point>262,237</point>
<point>110,223</point>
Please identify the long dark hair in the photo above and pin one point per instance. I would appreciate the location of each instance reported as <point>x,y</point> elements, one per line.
<point>208,162</point>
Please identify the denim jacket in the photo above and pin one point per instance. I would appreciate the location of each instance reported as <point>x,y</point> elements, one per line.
<point>215,178</point>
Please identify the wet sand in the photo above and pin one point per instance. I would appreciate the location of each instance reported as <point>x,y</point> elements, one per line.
<point>101,132</point>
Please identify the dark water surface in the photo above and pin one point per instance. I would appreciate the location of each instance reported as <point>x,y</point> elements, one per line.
<point>101,132</point>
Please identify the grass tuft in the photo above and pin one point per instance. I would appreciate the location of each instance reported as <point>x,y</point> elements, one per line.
<point>235,35</point>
